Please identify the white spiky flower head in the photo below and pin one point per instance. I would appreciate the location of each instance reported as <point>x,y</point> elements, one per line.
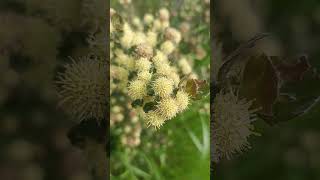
<point>184,66</point>
<point>163,69</point>
<point>144,50</point>
<point>83,88</point>
<point>148,18</point>
<point>119,73</point>
<point>138,38</point>
<point>164,14</point>
<point>137,89</point>
<point>167,47</point>
<point>152,118</point>
<point>125,61</point>
<point>136,22</point>
<point>152,38</point>
<point>231,125</point>
<point>157,25</point>
<point>182,99</point>
<point>167,108</point>
<point>163,87</point>
<point>126,40</point>
<point>144,76</point>
<point>142,64</point>
<point>172,34</point>
<point>160,58</point>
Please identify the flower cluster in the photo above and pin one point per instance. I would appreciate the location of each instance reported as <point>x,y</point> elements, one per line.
<point>129,131</point>
<point>146,65</point>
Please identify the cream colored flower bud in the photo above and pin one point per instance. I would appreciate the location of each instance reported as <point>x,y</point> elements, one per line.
<point>173,35</point>
<point>185,66</point>
<point>157,25</point>
<point>164,14</point>
<point>163,87</point>
<point>144,50</point>
<point>165,25</point>
<point>138,38</point>
<point>144,75</point>
<point>119,73</point>
<point>125,61</point>
<point>127,129</point>
<point>160,58</point>
<point>136,21</point>
<point>167,47</point>
<point>175,77</point>
<point>125,2</point>
<point>127,39</point>
<point>142,64</point>
<point>148,19</point>
<point>112,12</point>
<point>182,99</point>
<point>154,119</point>
<point>137,89</point>
<point>184,27</point>
<point>163,69</point>
<point>167,108</point>
<point>152,38</point>
<point>119,117</point>
<point>116,109</point>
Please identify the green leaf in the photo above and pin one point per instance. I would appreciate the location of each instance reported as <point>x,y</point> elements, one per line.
<point>149,106</point>
<point>136,103</point>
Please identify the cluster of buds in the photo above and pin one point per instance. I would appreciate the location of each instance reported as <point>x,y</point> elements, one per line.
<point>131,132</point>
<point>125,120</point>
<point>116,115</point>
<point>147,66</point>
<point>192,13</point>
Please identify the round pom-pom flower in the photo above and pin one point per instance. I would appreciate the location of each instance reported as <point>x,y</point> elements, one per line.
<point>167,108</point>
<point>154,119</point>
<point>83,88</point>
<point>232,126</point>
<point>144,75</point>
<point>144,50</point>
<point>137,89</point>
<point>142,64</point>
<point>163,87</point>
<point>182,99</point>
<point>164,14</point>
<point>167,47</point>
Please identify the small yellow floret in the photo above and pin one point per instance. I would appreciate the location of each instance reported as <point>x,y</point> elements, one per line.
<point>182,99</point>
<point>154,119</point>
<point>167,108</point>
<point>163,87</point>
<point>167,47</point>
<point>144,75</point>
<point>137,89</point>
<point>143,64</point>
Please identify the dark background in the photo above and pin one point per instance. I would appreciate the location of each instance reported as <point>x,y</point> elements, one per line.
<point>290,149</point>
<point>36,38</point>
